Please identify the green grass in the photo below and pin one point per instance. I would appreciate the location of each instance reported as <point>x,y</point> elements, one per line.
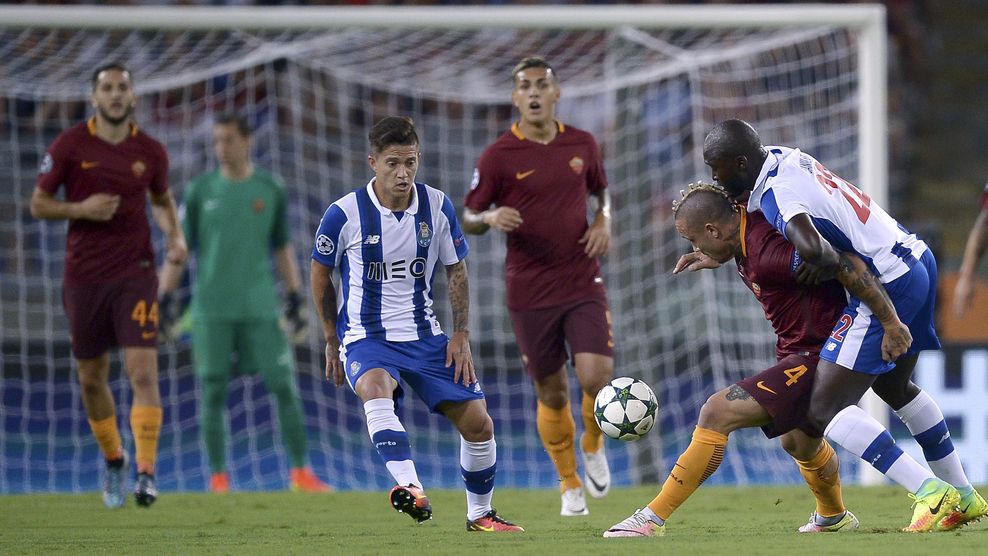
<point>716,520</point>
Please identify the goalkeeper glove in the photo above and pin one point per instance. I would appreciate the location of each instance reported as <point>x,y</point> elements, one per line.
<point>169,313</point>
<point>295,322</point>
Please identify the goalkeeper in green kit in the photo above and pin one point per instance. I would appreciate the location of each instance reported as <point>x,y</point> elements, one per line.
<point>235,218</point>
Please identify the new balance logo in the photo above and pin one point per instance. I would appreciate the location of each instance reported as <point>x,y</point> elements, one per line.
<point>945,436</point>
<point>372,240</point>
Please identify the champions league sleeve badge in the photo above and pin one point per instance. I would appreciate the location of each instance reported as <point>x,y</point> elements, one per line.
<point>425,234</point>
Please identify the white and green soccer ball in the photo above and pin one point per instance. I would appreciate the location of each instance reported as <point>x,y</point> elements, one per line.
<point>625,408</point>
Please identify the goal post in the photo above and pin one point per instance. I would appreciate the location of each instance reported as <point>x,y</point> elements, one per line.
<point>648,81</point>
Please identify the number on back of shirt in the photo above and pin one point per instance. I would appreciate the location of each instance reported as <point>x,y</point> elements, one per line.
<point>831,182</point>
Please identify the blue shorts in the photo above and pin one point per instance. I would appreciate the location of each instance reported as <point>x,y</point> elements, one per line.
<point>420,363</point>
<point>856,340</point>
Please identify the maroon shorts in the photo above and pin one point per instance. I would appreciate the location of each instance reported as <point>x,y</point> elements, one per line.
<point>542,334</point>
<point>784,391</point>
<point>104,316</point>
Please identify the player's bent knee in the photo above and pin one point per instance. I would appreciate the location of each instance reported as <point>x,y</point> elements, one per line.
<point>715,414</point>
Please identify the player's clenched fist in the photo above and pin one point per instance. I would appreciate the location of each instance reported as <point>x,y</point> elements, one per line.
<point>505,219</point>
<point>99,207</point>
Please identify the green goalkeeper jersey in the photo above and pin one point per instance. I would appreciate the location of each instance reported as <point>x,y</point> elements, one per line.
<point>234,226</point>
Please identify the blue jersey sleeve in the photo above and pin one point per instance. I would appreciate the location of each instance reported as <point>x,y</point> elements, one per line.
<point>454,247</point>
<point>327,249</point>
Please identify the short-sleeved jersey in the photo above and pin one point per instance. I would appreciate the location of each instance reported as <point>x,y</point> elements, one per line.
<point>387,262</point>
<point>802,316</point>
<point>984,198</point>
<point>792,182</point>
<point>548,185</point>
<point>85,164</point>
<point>233,227</point>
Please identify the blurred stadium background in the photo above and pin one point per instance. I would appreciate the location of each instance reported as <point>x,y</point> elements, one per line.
<point>648,94</point>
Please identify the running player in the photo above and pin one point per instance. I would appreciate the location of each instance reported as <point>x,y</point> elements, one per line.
<point>109,168</point>
<point>774,399</point>
<point>539,176</point>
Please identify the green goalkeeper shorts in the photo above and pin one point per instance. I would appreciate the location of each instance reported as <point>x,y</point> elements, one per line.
<point>255,346</point>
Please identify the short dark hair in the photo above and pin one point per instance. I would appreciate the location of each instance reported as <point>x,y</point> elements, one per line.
<point>110,66</point>
<point>703,202</point>
<point>236,120</point>
<point>531,62</point>
<point>392,130</point>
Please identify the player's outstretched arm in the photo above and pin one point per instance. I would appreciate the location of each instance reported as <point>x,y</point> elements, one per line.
<point>505,219</point>
<point>858,279</point>
<point>324,297</point>
<point>99,207</point>
<point>458,350</point>
<point>977,242</point>
<point>693,261</point>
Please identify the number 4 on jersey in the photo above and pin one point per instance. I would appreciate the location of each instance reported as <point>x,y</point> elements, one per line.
<point>858,199</point>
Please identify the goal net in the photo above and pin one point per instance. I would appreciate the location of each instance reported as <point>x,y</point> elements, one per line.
<point>648,86</point>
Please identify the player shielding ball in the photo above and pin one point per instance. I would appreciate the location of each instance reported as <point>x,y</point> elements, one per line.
<point>385,239</point>
<point>775,399</point>
<point>108,168</point>
<point>869,346</point>
<point>538,176</point>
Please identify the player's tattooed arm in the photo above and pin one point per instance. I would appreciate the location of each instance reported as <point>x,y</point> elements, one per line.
<point>735,392</point>
<point>458,350</point>
<point>862,283</point>
<point>459,295</point>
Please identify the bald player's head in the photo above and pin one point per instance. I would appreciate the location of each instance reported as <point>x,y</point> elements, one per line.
<point>709,220</point>
<point>733,151</point>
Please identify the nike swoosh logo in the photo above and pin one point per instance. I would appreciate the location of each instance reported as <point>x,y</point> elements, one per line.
<point>523,175</point>
<point>934,510</point>
<point>761,384</point>
<point>595,484</point>
<point>148,335</point>
<point>86,165</point>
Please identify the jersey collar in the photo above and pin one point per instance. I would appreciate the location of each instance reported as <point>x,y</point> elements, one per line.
<point>516,131</point>
<point>91,126</point>
<point>412,208</point>
<point>769,168</point>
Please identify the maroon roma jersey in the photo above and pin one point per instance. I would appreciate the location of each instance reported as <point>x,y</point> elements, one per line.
<point>548,185</point>
<point>802,316</point>
<point>85,165</point>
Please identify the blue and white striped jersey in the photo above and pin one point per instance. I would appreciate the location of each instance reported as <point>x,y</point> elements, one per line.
<point>387,261</point>
<point>792,182</point>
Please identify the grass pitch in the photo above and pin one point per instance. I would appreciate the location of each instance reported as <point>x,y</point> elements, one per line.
<point>716,520</point>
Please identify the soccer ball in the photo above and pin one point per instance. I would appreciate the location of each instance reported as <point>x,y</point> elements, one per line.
<point>625,408</point>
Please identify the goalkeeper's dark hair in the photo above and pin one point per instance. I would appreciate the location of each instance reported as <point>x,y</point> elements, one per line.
<point>236,120</point>
<point>392,130</point>
<point>531,62</point>
<point>704,200</point>
<point>94,81</point>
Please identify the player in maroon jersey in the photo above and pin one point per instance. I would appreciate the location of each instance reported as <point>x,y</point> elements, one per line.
<point>777,398</point>
<point>538,177</point>
<point>977,242</point>
<point>109,168</point>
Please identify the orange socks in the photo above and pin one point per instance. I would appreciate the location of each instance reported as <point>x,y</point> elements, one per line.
<point>701,458</point>
<point>592,440</point>
<point>557,429</point>
<point>145,423</point>
<point>108,437</point>
<point>822,474</point>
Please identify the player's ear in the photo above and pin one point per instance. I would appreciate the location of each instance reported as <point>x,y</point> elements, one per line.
<point>372,162</point>
<point>714,231</point>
